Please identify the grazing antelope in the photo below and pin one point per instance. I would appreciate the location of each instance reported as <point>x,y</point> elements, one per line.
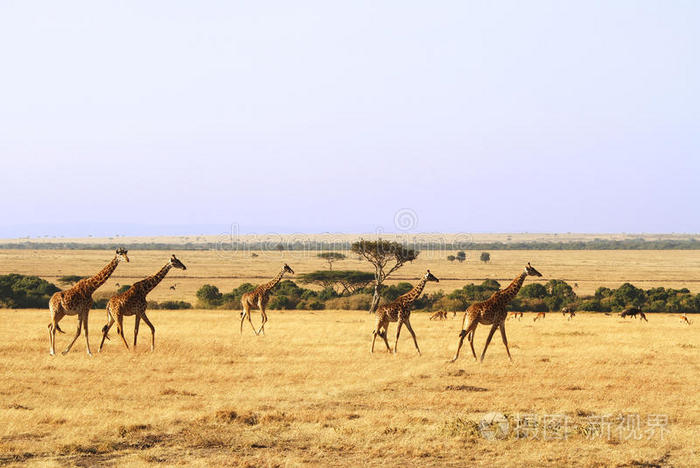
<point>439,315</point>
<point>172,288</point>
<point>78,301</point>
<point>633,312</point>
<point>492,312</point>
<point>399,310</point>
<point>684,319</point>
<point>540,315</point>
<point>518,315</point>
<point>568,310</point>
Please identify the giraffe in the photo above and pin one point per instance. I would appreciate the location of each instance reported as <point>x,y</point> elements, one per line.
<point>540,315</point>
<point>492,312</point>
<point>259,298</point>
<point>399,311</point>
<point>78,301</point>
<point>133,302</point>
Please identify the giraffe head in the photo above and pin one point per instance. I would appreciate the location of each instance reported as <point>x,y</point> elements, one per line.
<point>531,271</point>
<point>429,277</point>
<point>287,269</point>
<point>175,263</point>
<point>121,255</point>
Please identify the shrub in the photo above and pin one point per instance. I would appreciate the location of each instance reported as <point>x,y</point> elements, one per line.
<point>354,302</point>
<point>533,291</point>
<point>174,305</point>
<point>392,292</point>
<point>209,296</point>
<point>22,291</point>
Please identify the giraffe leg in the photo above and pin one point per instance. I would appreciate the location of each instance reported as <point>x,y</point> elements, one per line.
<point>398,332</point>
<point>470,329</point>
<point>105,330</point>
<point>120,329</point>
<point>85,329</point>
<point>77,334</point>
<point>384,333</point>
<point>264,319</point>
<point>378,331</point>
<point>137,321</point>
<point>153,330</point>
<point>505,340</point>
<point>56,315</point>
<point>410,330</point>
<point>488,340</point>
<point>471,341</point>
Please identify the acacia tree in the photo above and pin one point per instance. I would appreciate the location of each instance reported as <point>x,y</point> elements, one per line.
<point>387,257</point>
<point>331,257</point>
<point>485,257</point>
<point>350,281</point>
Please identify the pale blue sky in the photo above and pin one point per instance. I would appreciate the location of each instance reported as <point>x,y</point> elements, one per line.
<point>126,117</point>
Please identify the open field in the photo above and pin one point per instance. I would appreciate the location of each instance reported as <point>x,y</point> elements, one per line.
<point>588,269</point>
<point>310,393</point>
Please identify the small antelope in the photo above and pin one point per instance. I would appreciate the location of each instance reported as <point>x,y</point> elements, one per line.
<point>172,288</point>
<point>633,312</point>
<point>538,316</point>
<point>439,315</point>
<point>517,315</point>
<point>684,319</point>
<point>569,311</point>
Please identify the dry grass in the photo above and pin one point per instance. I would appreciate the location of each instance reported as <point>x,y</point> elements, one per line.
<point>589,269</point>
<point>310,393</point>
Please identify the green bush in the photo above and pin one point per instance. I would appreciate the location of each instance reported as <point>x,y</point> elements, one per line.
<point>354,302</point>
<point>174,305</point>
<point>22,291</point>
<point>209,296</point>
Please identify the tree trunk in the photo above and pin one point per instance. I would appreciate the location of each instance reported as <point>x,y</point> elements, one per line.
<point>375,299</point>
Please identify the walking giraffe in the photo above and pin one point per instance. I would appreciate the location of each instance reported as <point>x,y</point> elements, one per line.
<point>133,302</point>
<point>399,311</point>
<point>78,301</point>
<point>259,298</point>
<point>492,312</point>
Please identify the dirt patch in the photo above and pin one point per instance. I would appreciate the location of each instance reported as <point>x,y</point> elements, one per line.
<point>466,388</point>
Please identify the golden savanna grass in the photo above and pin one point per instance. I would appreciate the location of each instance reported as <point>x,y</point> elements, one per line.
<point>309,392</point>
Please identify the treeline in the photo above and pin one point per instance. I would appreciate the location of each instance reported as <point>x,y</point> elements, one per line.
<point>319,246</point>
<point>31,292</point>
<point>350,290</point>
<point>535,297</point>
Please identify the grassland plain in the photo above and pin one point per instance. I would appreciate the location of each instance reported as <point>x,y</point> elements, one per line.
<point>310,393</point>
<point>586,269</point>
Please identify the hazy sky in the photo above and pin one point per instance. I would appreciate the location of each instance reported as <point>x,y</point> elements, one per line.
<point>293,116</point>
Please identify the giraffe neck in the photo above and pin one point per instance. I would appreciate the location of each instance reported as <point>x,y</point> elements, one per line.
<point>413,294</point>
<point>151,282</point>
<point>509,293</point>
<point>91,284</point>
<point>272,283</point>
